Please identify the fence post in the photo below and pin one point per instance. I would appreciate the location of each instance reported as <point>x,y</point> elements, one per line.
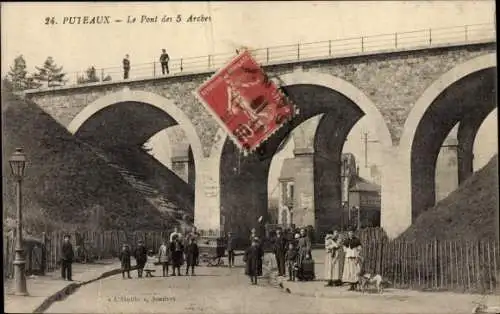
<point>362,44</point>
<point>44,253</point>
<point>209,61</point>
<point>102,74</point>
<point>329,47</point>
<point>154,69</point>
<point>298,51</point>
<point>267,55</point>
<point>465,32</point>
<point>396,40</point>
<point>430,37</point>
<point>181,65</point>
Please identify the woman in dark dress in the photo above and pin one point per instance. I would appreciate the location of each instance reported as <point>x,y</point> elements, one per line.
<point>303,250</point>
<point>141,256</point>
<point>125,260</point>
<point>177,255</point>
<point>253,259</point>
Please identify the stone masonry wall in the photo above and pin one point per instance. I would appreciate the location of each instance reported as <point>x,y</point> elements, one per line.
<point>392,81</point>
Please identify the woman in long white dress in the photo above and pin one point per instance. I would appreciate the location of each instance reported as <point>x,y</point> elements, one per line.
<point>332,258</point>
<point>352,263</point>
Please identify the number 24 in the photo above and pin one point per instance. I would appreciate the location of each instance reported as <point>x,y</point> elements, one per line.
<point>50,20</point>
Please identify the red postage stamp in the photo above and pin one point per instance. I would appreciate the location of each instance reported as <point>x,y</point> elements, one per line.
<point>247,104</point>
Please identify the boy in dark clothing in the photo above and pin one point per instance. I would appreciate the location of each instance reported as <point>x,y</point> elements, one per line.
<point>291,261</point>
<point>126,67</point>
<point>177,255</point>
<point>192,253</point>
<point>125,260</point>
<point>279,250</point>
<point>67,258</point>
<point>141,256</point>
<point>231,243</point>
<point>164,58</point>
<point>253,259</point>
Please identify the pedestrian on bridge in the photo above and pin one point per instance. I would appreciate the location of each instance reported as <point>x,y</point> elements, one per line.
<point>141,256</point>
<point>126,67</point>
<point>164,58</point>
<point>67,258</point>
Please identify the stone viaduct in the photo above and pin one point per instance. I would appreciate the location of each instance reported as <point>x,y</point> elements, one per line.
<point>411,100</point>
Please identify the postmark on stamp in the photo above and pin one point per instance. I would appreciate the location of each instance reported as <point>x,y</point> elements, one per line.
<point>245,102</point>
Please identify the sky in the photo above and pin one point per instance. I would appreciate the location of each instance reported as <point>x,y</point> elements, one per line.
<point>232,25</point>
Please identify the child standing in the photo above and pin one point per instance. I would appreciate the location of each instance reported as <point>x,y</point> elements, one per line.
<point>164,257</point>
<point>192,253</point>
<point>253,259</point>
<point>150,264</point>
<point>125,260</point>
<point>291,261</point>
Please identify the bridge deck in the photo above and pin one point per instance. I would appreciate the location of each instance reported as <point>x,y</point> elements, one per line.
<point>297,53</point>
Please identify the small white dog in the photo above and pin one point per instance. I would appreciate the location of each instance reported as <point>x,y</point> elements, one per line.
<point>367,280</point>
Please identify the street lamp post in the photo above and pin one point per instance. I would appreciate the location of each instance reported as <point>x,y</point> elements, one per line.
<point>17,163</point>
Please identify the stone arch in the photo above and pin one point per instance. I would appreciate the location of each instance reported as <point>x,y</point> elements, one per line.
<point>296,81</point>
<point>334,83</point>
<point>432,92</point>
<point>152,99</point>
<point>376,120</point>
<point>417,190</point>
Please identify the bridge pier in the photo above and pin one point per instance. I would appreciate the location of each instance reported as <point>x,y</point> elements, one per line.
<point>304,214</point>
<point>467,131</point>
<point>207,209</point>
<point>395,215</point>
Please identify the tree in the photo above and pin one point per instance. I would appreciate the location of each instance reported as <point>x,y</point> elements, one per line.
<point>49,72</point>
<point>89,77</point>
<point>18,77</point>
<point>92,77</point>
<point>17,73</point>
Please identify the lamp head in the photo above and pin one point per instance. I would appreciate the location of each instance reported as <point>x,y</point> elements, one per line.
<point>17,163</point>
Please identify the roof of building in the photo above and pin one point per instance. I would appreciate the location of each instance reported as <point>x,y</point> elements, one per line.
<point>363,185</point>
<point>288,169</point>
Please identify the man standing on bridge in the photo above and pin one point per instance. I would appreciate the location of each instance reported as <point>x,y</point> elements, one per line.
<point>164,58</point>
<point>126,67</point>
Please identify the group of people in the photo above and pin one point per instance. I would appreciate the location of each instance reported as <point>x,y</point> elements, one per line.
<point>293,255</point>
<point>350,248</point>
<point>164,59</point>
<point>174,252</point>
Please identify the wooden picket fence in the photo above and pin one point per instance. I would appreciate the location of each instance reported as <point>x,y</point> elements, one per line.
<point>99,244</point>
<point>462,266</point>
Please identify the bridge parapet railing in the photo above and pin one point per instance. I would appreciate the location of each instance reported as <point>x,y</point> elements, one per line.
<point>411,40</point>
